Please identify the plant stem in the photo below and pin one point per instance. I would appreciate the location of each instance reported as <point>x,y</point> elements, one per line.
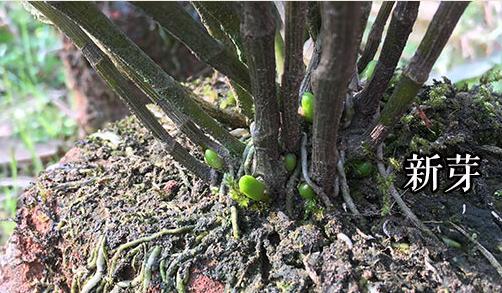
<point>223,23</point>
<point>313,19</point>
<point>226,14</point>
<point>400,27</point>
<point>416,73</point>
<point>375,35</point>
<point>105,68</point>
<point>172,17</point>
<point>340,30</point>
<point>258,32</point>
<point>161,88</point>
<point>294,70</point>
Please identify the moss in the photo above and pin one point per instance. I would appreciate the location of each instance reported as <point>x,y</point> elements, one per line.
<point>419,144</point>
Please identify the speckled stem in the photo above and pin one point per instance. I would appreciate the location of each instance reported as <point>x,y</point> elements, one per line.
<point>375,35</point>
<point>294,70</point>
<point>105,68</point>
<point>416,73</point>
<point>258,32</point>
<point>175,19</point>
<point>340,30</point>
<point>148,76</point>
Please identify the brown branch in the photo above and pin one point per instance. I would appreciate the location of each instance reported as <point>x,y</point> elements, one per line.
<point>375,35</point>
<point>400,27</point>
<point>258,32</point>
<point>293,74</point>
<point>416,73</point>
<point>340,30</point>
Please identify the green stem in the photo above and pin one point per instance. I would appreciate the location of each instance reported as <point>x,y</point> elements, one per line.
<point>148,76</point>
<point>124,89</point>
<point>375,35</point>
<point>416,73</point>
<point>226,14</point>
<point>220,20</point>
<point>183,27</point>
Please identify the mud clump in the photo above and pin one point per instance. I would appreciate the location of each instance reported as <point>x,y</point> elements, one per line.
<point>119,215</point>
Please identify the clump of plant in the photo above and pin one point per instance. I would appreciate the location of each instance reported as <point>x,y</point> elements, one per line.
<point>239,41</point>
<point>292,111</point>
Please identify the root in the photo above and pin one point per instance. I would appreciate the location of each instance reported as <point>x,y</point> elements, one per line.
<point>100,268</point>
<point>189,254</point>
<point>485,252</point>
<point>290,189</point>
<point>240,172</point>
<point>234,216</point>
<point>138,241</point>
<point>306,177</point>
<point>152,259</point>
<point>397,197</point>
<point>344,186</point>
<point>248,163</point>
<point>182,277</point>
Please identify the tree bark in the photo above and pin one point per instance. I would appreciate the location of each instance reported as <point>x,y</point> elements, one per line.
<point>258,33</point>
<point>341,27</point>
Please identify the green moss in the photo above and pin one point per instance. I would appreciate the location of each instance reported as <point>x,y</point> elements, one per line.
<point>384,185</point>
<point>419,144</point>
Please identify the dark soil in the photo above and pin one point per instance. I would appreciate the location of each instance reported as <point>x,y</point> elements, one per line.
<point>122,186</point>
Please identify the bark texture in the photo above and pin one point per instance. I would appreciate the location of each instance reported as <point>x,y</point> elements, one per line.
<point>294,71</point>
<point>258,32</point>
<point>341,27</point>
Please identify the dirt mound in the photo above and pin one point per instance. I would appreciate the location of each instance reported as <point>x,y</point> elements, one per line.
<point>119,215</point>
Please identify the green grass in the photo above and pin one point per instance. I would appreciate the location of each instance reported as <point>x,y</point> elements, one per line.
<point>31,77</point>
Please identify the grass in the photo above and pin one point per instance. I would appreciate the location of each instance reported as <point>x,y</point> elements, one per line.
<point>31,78</point>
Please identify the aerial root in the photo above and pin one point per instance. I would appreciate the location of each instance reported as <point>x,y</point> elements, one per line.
<point>234,217</point>
<point>141,240</point>
<point>188,254</point>
<point>305,173</point>
<point>290,189</point>
<point>344,187</point>
<point>248,163</point>
<point>397,197</point>
<point>100,268</point>
<point>182,276</point>
<point>249,145</point>
<point>152,260</point>
<point>485,252</point>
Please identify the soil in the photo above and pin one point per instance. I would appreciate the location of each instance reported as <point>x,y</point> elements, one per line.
<point>122,187</point>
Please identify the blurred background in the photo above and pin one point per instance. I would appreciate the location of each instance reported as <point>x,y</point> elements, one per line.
<point>49,96</point>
